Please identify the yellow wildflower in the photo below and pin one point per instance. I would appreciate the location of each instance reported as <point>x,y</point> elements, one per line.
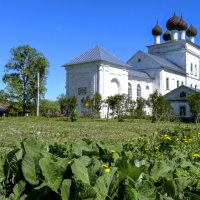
<point>106,168</point>
<point>196,155</point>
<point>166,137</point>
<point>105,165</point>
<point>113,151</point>
<point>70,162</point>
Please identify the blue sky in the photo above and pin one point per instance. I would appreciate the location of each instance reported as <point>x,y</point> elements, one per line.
<point>64,29</point>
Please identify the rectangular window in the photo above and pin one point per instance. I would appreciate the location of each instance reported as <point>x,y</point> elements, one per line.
<point>182,111</point>
<point>191,69</point>
<point>82,91</point>
<point>167,83</point>
<point>195,70</point>
<point>177,83</point>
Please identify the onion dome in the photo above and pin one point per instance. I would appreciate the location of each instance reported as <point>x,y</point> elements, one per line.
<point>192,31</point>
<point>172,23</point>
<point>182,25</point>
<point>167,35</point>
<point>157,30</point>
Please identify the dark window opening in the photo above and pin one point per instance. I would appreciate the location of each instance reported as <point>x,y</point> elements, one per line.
<point>177,83</point>
<point>138,91</point>
<point>191,69</point>
<point>129,90</point>
<point>167,83</point>
<point>182,94</point>
<point>182,111</point>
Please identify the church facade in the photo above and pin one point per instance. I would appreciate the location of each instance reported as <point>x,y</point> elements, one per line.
<point>168,64</point>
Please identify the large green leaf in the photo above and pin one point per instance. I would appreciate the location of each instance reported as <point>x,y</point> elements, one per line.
<point>85,191</point>
<point>10,166</point>
<point>160,169</point>
<point>94,170</point>
<point>107,183</point>
<point>145,190</point>
<point>169,187</point>
<point>128,169</point>
<point>79,147</point>
<point>79,169</point>
<point>182,183</point>
<point>129,193</point>
<point>17,191</point>
<point>65,189</point>
<point>53,172</point>
<point>30,163</point>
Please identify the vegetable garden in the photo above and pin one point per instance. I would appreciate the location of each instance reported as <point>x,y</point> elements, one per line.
<point>164,165</point>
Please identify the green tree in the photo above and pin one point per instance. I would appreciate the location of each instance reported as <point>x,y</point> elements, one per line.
<point>160,106</point>
<point>194,103</point>
<point>97,104</point>
<point>62,100</point>
<point>21,75</point>
<point>92,106</point>
<point>71,108</point>
<point>130,107</point>
<point>14,109</point>
<point>49,108</point>
<point>3,96</point>
<point>117,104</point>
<point>139,110</point>
<point>86,106</point>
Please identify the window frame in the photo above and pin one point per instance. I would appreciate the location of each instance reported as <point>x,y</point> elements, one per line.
<point>139,91</point>
<point>167,83</point>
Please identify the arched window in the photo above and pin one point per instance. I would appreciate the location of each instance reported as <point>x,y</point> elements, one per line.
<point>195,70</point>
<point>129,90</point>
<point>114,87</point>
<point>191,68</point>
<point>167,83</point>
<point>147,87</point>
<point>138,91</point>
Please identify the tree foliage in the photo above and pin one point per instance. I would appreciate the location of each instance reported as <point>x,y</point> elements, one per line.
<point>21,75</point>
<point>130,108</point>
<point>118,105</point>
<point>159,105</point>
<point>92,105</point>
<point>49,108</point>
<point>62,100</point>
<point>3,96</point>
<point>71,108</point>
<point>139,109</point>
<point>194,103</point>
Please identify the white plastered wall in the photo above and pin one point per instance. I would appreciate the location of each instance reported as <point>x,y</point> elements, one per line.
<point>81,76</point>
<point>173,78</point>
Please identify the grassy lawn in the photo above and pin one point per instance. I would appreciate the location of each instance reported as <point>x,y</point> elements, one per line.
<point>60,130</point>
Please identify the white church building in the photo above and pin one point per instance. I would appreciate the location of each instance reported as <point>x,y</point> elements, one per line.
<point>172,61</point>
